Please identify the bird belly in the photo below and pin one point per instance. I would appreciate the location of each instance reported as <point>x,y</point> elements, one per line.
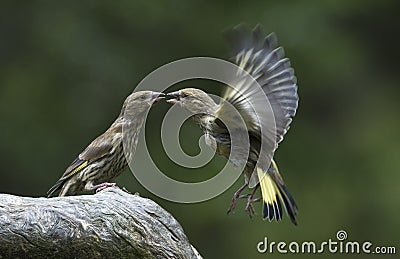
<point>242,157</point>
<point>222,145</point>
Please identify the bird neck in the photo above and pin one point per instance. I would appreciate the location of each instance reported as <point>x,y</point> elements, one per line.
<point>205,121</point>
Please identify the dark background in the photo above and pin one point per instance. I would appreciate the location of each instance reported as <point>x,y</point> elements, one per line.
<point>67,66</point>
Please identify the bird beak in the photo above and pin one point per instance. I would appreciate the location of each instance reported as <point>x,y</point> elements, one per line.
<point>157,96</point>
<point>176,98</point>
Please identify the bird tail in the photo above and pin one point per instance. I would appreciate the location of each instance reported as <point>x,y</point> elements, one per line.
<point>275,194</point>
<point>55,187</point>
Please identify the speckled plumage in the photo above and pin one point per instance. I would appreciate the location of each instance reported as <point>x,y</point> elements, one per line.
<point>104,158</point>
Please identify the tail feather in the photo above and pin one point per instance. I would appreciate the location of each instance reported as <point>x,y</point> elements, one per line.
<point>290,204</point>
<point>274,193</point>
<point>76,166</point>
<point>57,186</point>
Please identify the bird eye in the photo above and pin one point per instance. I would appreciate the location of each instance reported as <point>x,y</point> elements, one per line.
<point>184,95</point>
<point>143,97</point>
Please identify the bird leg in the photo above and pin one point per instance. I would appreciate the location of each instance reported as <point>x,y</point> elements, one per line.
<point>102,186</point>
<point>235,197</point>
<point>249,206</point>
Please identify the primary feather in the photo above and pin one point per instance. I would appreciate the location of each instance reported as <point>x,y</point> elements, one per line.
<point>265,62</point>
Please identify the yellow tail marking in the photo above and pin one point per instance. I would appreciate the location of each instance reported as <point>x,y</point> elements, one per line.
<point>274,165</point>
<point>269,190</point>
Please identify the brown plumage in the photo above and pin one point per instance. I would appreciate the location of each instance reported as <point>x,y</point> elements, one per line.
<point>265,62</point>
<point>104,158</point>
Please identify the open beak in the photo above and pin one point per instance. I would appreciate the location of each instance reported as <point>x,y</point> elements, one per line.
<point>157,96</point>
<point>176,98</point>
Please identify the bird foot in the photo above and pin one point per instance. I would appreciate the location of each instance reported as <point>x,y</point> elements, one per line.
<point>102,186</point>
<point>249,205</point>
<point>234,198</point>
<point>244,196</point>
<point>232,205</point>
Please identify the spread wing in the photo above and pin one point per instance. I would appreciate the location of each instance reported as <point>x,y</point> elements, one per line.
<point>265,62</point>
<point>276,100</point>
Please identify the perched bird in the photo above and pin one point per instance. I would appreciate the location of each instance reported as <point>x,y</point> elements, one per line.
<point>104,158</point>
<point>260,57</point>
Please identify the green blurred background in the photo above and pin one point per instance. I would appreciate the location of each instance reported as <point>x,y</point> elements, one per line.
<point>67,66</point>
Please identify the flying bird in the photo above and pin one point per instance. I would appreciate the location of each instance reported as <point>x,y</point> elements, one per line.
<point>104,158</point>
<point>259,56</point>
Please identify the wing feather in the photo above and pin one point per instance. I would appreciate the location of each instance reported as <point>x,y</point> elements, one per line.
<point>99,147</point>
<point>265,62</point>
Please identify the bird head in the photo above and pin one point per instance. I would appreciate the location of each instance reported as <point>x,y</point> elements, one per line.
<point>141,101</point>
<point>193,100</point>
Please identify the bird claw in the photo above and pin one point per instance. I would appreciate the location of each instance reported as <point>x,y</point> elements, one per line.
<point>102,186</point>
<point>249,206</point>
<point>244,196</point>
<point>235,197</point>
<point>250,210</point>
<point>232,205</point>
